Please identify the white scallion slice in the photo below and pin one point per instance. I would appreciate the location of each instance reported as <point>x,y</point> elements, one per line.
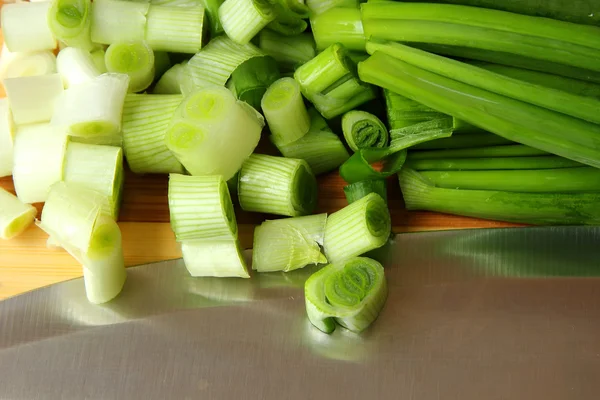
<point>201,208</point>
<point>93,108</point>
<point>135,59</point>
<point>243,19</point>
<point>98,168</point>
<point>7,135</point>
<point>33,99</point>
<point>146,118</point>
<point>285,111</point>
<point>218,258</point>
<point>351,293</point>
<point>16,65</point>
<point>277,185</point>
<point>70,20</point>
<point>205,127</point>
<point>15,216</point>
<point>175,29</point>
<point>357,228</point>
<point>76,66</point>
<point>116,21</point>
<point>25,27</point>
<point>38,161</point>
<point>170,81</point>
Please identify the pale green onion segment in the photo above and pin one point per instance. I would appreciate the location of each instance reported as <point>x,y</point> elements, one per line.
<point>25,27</point>
<point>17,64</point>
<point>285,111</point>
<point>320,147</point>
<point>76,66</point>
<point>93,108</point>
<point>98,58</point>
<point>70,21</point>
<point>243,19</point>
<point>146,118</point>
<point>277,185</point>
<point>320,6</point>
<point>15,216</point>
<point>135,59</point>
<point>201,208</point>
<point>7,131</point>
<point>288,244</point>
<point>364,130</point>
<point>175,29</point>
<point>351,293</point>
<point>98,168</point>
<point>289,51</point>
<point>357,228</point>
<point>219,258</point>
<point>32,99</point>
<point>205,127</point>
<point>116,21</point>
<point>215,63</point>
<point>170,81</point>
<point>38,161</point>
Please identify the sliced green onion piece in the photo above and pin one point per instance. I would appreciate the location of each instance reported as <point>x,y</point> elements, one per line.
<point>320,147</point>
<point>162,62</point>
<point>175,29</point>
<point>116,21</point>
<point>357,228</point>
<point>289,51</point>
<point>358,190</point>
<point>93,108</point>
<point>277,185</point>
<point>38,161</point>
<point>201,208</point>
<point>312,226</point>
<point>70,22</point>
<point>363,130</point>
<point>513,150</point>
<point>529,208</point>
<point>135,59</point>
<point>7,134</point>
<point>243,19</point>
<point>170,81</point>
<point>250,81</point>
<point>98,168</point>
<point>32,99</point>
<point>492,163</point>
<point>288,26</point>
<point>211,8</point>
<point>403,112</point>
<point>25,27</point>
<point>15,216</point>
<point>15,65</point>
<point>320,6</point>
<point>76,66</point>
<point>285,111</point>
<point>339,25</point>
<point>146,118</point>
<point>218,258</point>
<point>98,58</point>
<point>279,246</point>
<point>351,293</point>
<point>110,140</point>
<point>215,63</point>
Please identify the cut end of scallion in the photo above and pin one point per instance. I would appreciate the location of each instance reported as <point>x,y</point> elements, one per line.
<point>15,216</point>
<point>285,111</point>
<point>135,59</point>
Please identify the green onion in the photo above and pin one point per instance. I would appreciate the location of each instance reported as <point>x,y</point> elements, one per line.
<point>288,26</point>
<point>135,59</point>
<point>288,51</point>
<point>98,58</point>
<point>15,216</point>
<point>552,99</point>
<point>243,19</point>
<point>320,6</point>
<point>219,258</point>
<point>201,208</point>
<point>285,111</point>
<point>358,190</point>
<point>288,244</point>
<point>363,130</point>
<point>115,21</point>
<point>403,112</point>
<point>175,29</point>
<point>250,80</point>
<point>204,128</point>
<point>25,27</point>
<point>530,208</point>
<point>516,150</point>
<point>509,118</point>
<point>351,293</point>
<point>162,62</point>
<point>7,134</point>
<point>490,163</point>
<point>38,161</point>
<point>93,108</point>
<point>170,81</point>
<point>329,81</point>
<point>360,227</point>
<point>320,147</point>
<point>277,185</point>
<point>146,118</point>
<point>15,65</point>
<point>483,139</point>
<point>70,21</point>
<point>76,66</point>
<point>211,7</point>
<point>33,98</point>
<point>98,168</point>
<point>339,25</point>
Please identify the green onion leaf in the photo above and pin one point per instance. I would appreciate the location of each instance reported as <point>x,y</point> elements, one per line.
<point>514,150</point>
<point>250,81</point>
<point>491,163</point>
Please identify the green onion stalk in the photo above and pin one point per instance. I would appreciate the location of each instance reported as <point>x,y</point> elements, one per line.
<point>243,19</point>
<point>363,130</point>
<point>339,25</point>
<point>69,21</point>
<point>514,150</point>
<point>285,111</point>
<point>491,163</point>
<point>358,190</point>
<point>289,51</point>
<point>135,59</point>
